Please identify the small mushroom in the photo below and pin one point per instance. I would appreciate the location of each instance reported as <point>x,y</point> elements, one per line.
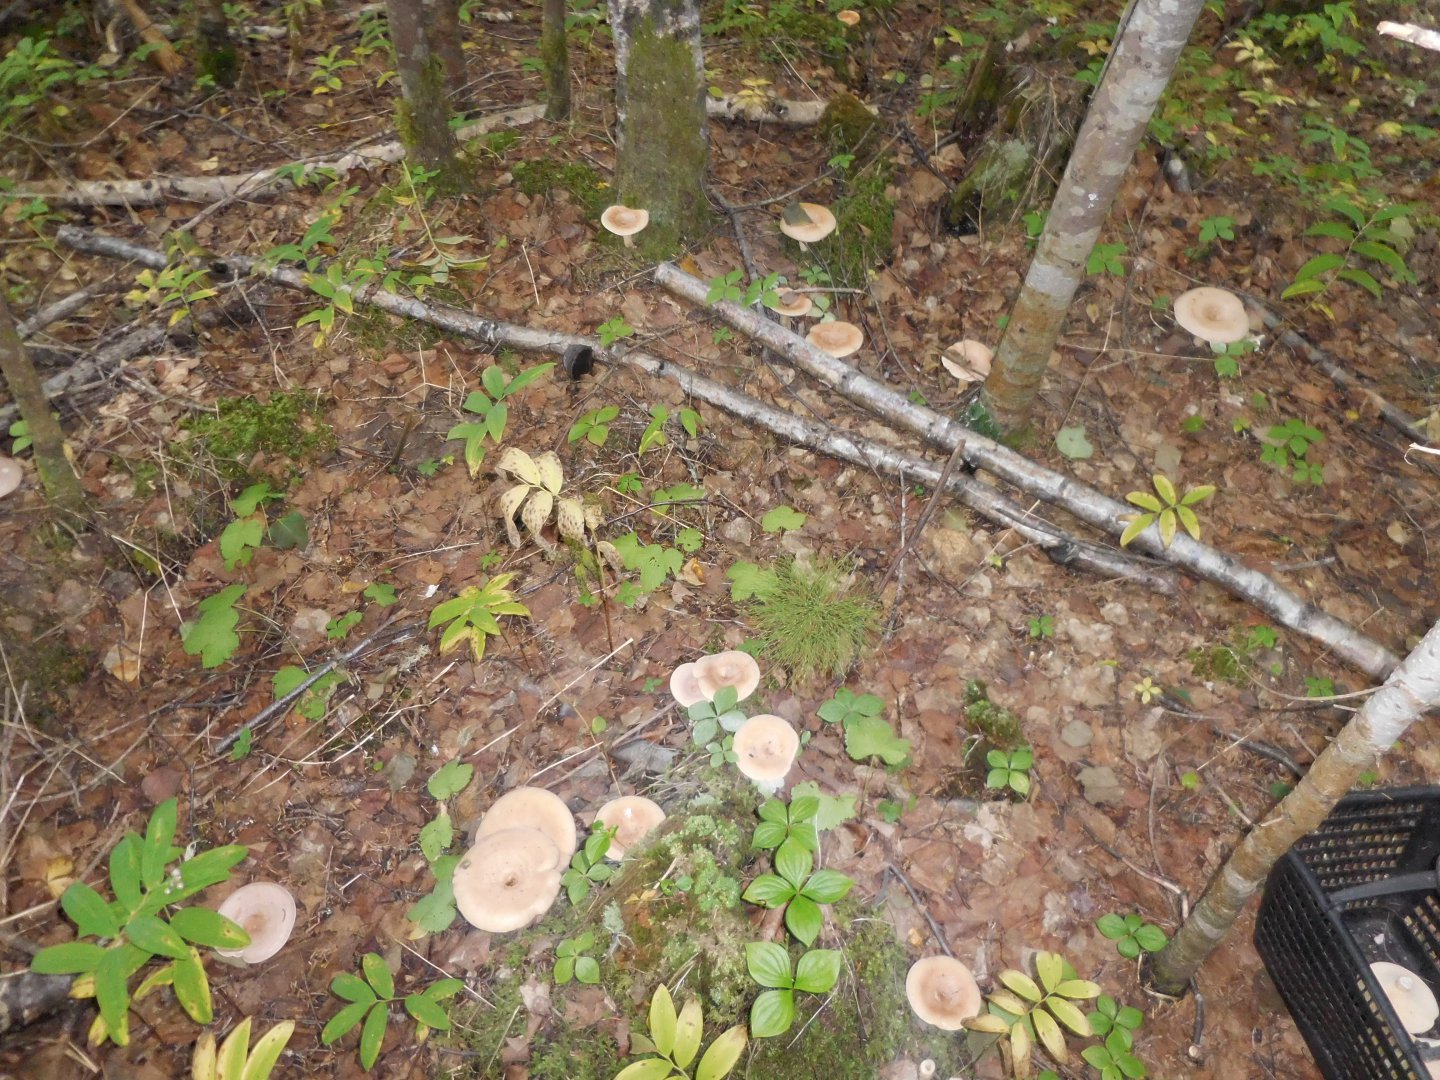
<point>837,338</point>
<point>942,992</point>
<point>10,475</point>
<point>266,911</point>
<point>807,222</point>
<point>624,222</point>
<point>792,304</point>
<point>532,808</point>
<point>765,748</point>
<point>631,816</point>
<point>508,879</point>
<point>850,17</point>
<point>927,1068</point>
<point>1409,995</point>
<point>685,687</point>
<point>732,668</point>
<point>1212,315</point>
<point>968,360</point>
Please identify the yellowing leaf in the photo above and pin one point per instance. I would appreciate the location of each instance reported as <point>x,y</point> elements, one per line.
<point>1021,984</point>
<point>552,473</point>
<point>1050,1035</point>
<point>520,465</point>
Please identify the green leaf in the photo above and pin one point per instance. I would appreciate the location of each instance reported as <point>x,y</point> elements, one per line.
<point>1165,488</point>
<point>1385,256</point>
<point>1320,264</point>
<point>587,970</point>
<point>89,911</point>
<point>1072,442</point>
<point>1138,524</point>
<point>266,1051</point>
<point>834,810</point>
<point>1145,501</point>
<point>1069,1015</point>
<point>687,1033</point>
<point>435,837</point>
<point>71,958</point>
<point>748,581</point>
<point>205,869</point>
<point>564,969</point>
<point>111,975</point>
<point>1332,229</point>
<point>1050,1035</point>
<point>1050,967</point>
<point>450,779</point>
<point>1127,947</point>
<point>1151,938</point>
<point>663,1021</point>
<point>1079,989</point>
<point>125,872</point>
<point>351,987</point>
<point>768,834</point>
<point>155,851</point>
<point>1303,288</point>
<point>793,863</point>
<point>378,974</point>
<point>1111,926</point>
<point>649,1069</point>
<point>870,736</point>
<point>372,1034</point>
<point>782,518</point>
<point>768,964</point>
<point>212,637</point>
<point>427,1012</point>
<point>769,890</point>
<point>772,1014</point>
<point>155,936</point>
<point>723,1054</point>
<point>827,886</point>
<point>344,1020</point>
<point>1021,984</point>
<point>817,971</point>
<point>240,539</point>
<point>192,988</point>
<point>377,592</point>
<point>803,919</point>
<point>289,531</point>
<point>1345,208</point>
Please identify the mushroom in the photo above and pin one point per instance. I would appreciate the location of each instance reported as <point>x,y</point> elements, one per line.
<point>850,17</point>
<point>765,748</point>
<point>532,808</point>
<point>685,687</point>
<point>1409,995</point>
<point>807,222</point>
<point>942,992</point>
<point>927,1069</point>
<point>624,222</point>
<point>968,360</point>
<point>265,911</point>
<point>836,338</point>
<point>508,879</point>
<point>732,668</point>
<point>631,816</point>
<point>1212,315</point>
<point>792,304</point>
<point>10,475</point>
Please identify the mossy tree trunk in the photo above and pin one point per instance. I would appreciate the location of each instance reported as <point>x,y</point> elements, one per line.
<point>62,487</point>
<point>660,98</point>
<point>1411,689</point>
<point>423,116</point>
<point>442,31</point>
<point>1140,67</point>
<point>555,59</point>
<point>216,54</point>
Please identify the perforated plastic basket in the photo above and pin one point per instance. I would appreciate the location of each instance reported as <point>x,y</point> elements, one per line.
<point>1361,888</point>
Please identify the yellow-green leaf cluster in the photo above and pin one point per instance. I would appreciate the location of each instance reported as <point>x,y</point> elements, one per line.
<point>1170,509</point>
<point>1027,1011</point>
<point>474,615</point>
<point>675,1039</point>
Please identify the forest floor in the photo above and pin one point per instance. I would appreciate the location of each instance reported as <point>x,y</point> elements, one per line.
<point>1137,798</point>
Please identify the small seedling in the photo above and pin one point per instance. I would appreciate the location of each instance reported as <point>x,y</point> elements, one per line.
<point>613,330</point>
<point>588,866</point>
<point>1288,446</point>
<point>794,887</point>
<point>572,963</point>
<point>489,405</point>
<point>212,636</point>
<point>1010,769</point>
<point>710,717</point>
<point>313,703</point>
<point>1319,687</point>
<point>594,426</point>
<point>769,965</point>
<point>793,824</point>
<point>1147,691</point>
<point>1106,259</point>
<point>782,519</point>
<point>370,999</point>
<point>846,705</point>
<point>474,614</point>
<point>1131,934</point>
<point>1042,626</point>
<point>675,1040</point>
<point>1170,509</point>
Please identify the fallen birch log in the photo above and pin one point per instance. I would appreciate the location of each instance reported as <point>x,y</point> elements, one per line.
<point>1058,545</point>
<point>1415,35</point>
<point>1093,507</point>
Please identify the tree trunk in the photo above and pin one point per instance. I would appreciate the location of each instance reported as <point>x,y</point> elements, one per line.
<point>555,60</point>
<point>1411,689</point>
<point>1140,67</point>
<point>442,31</point>
<point>62,487</point>
<point>216,55</point>
<point>423,116</point>
<point>660,98</point>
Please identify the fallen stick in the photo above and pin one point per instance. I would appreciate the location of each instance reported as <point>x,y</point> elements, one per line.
<point>1415,35</point>
<point>1093,507</point>
<point>1064,549</point>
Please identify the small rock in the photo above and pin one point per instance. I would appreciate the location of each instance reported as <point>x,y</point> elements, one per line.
<point>1101,785</point>
<point>1143,740</point>
<point>1077,733</point>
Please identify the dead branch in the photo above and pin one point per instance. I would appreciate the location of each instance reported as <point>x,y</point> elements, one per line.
<point>26,997</point>
<point>164,55</point>
<point>1415,35</point>
<point>1093,507</point>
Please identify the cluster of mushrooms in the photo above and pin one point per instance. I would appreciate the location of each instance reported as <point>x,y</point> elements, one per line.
<point>765,746</point>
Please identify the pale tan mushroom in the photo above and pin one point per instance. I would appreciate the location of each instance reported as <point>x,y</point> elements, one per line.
<point>765,748</point>
<point>631,816</point>
<point>837,338</point>
<point>10,475</point>
<point>850,17</point>
<point>807,222</point>
<point>624,222</point>
<point>968,360</point>
<point>685,687</point>
<point>1413,1001</point>
<point>731,668</point>
<point>265,911</point>
<point>1212,315</point>
<point>791,304</point>
<point>532,808</point>
<point>508,879</point>
<point>942,992</point>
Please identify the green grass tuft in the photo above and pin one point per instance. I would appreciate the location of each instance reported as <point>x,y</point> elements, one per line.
<point>812,622</point>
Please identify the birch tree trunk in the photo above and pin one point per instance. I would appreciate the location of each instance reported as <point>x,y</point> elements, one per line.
<point>423,116</point>
<point>1411,689</point>
<point>660,98</point>
<point>62,486</point>
<point>555,60</point>
<point>1140,66</point>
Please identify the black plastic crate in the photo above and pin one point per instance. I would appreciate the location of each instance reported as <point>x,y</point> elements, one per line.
<point>1360,888</point>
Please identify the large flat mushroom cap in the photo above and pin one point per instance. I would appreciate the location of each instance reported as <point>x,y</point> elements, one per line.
<point>623,220</point>
<point>631,816</point>
<point>532,808</point>
<point>730,668</point>
<point>1212,314</point>
<point>765,748</point>
<point>942,992</point>
<point>685,687</point>
<point>818,222</point>
<point>265,911</point>
<point>837,338</point>
<point>10,475</point>
<point>508,879</point>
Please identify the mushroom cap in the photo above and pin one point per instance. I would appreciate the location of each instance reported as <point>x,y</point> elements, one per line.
<point>684,687</point>
<point>968,360</point>
<point>508,879</point>
<point>1212,314</point>
<point>266,911</point>
<point>792,304</point>
<point>1410,996</point>
<point>836,338</point>
<point>532,808</point>
<point>765,748</point>
<point>631,816</point>
<point>850,17</point>
<point>942,992</point>
<point>821,223</point>
<point>10,475</point>
<point>623,221</point>
<point>730,668</point>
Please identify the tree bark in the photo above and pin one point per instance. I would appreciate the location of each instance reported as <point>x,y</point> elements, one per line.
<point>1141,64</point>
<point>442,31</point>
<point>555,58</point>
<point>62,487</point>
<point>1411,689</point>
<point>660,99</point>
<point>216,54</point>
<point>423,117</point>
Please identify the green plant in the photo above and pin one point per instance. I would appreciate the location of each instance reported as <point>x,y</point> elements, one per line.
<point>782,519</point>
<point>1170,509</point>
<point>847,705</point>
<point>33,74</point>
<point>1147,691</point>
<point>370,999</point>
<point>675,1040</point>
<point>1227,356</point>
<point>488,403</point>
<point>1288,446</point>
<point>178,284</point>
<point>1026,1012</point>
<point>325,71</point>
<point>794,824</point>
<point>769,965</point>
<point>588,866</point>
<point>572,963</point>
<point>1380,236</point>
<point>654,433</point>
<point>808,618</point>
<point>707,718</point>
<point>1217,227</point>
<point>653,562</point>
<point>613,330</point>
<point>246,534</point>
<point>20,432</point>
<point>1131,934</point>
<point>474,615</point>
<point>867,733</point>
<point>798,890</point>
<point>236,1058</point>
<point>212,636</point>
<point>1010,769</point>
<point>1042,626</point>
<point>315,700</point>
<point>449,780</point>
<point>594,426</point>
<point>137,928</point>
<point>1317,686</point>
<point>1107,259</point>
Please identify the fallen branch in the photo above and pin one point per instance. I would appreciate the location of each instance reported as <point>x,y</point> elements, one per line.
<point>1415,35</point>
<point>1093,507</point>
<point>1058,545</point>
